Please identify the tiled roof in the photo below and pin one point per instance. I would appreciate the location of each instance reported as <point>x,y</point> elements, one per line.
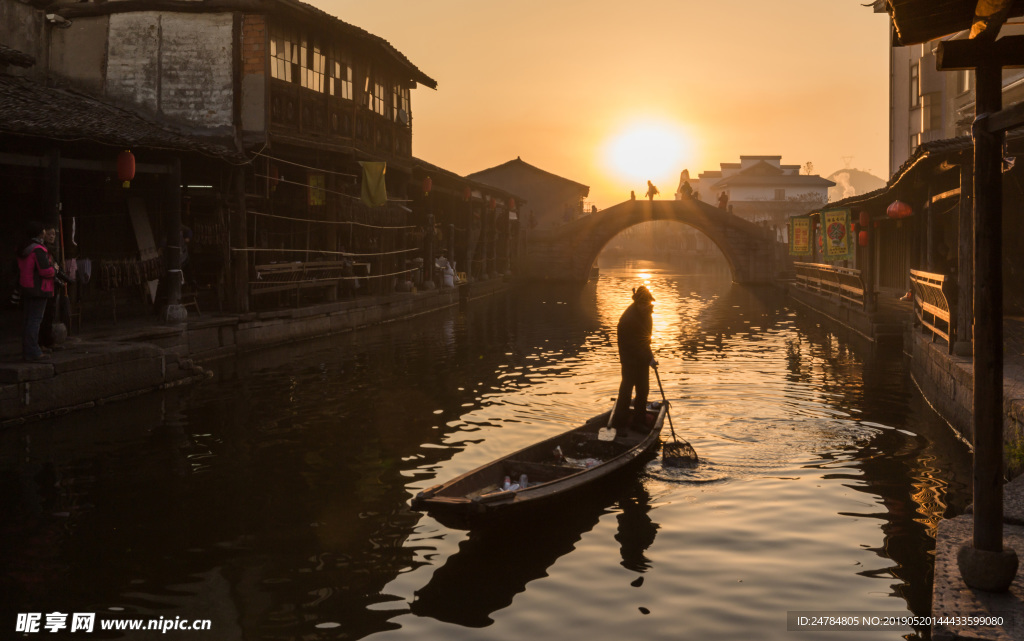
<point>362,34</point>
<point>934,151</point>
<point>10,56</point>
<point>423,165</point>
<point>321,18</point>
<point>28,108</point>
<point>519,162</point>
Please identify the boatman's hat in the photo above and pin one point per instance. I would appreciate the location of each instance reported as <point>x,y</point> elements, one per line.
<point>641,293</point>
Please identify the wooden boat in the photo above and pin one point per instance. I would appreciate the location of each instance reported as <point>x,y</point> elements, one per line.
<point>556,467</point>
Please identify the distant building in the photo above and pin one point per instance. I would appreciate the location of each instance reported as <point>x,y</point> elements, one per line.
<point>551,199</point>
<point>928,105</point>
<point>761,189</point>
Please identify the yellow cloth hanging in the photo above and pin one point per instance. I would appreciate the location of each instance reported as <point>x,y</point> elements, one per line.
<point>374,190</point>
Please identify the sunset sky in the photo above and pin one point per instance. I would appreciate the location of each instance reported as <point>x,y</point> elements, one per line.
<point>610,93</point>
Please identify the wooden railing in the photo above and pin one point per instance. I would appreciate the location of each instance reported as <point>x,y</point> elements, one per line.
<point>935,304</point>
<point>840,283</point>
<point>282,277</point>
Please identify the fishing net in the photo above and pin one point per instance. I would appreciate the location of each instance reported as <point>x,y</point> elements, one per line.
<point>678,454</point>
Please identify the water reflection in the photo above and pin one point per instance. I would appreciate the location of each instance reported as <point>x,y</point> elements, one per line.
<point>497,561</point>
<point>274,500</point>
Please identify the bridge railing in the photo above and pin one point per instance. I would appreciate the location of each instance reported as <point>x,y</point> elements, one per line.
<point>934,304</point>
<point>842,284</point>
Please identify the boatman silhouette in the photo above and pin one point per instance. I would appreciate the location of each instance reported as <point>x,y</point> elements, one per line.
<point>635,356</point>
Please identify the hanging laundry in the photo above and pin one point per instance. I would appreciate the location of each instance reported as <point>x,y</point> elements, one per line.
<point>374,189</point>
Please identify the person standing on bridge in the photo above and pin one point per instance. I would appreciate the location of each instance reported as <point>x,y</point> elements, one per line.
<point>635,356</point>
<point>652,191</point>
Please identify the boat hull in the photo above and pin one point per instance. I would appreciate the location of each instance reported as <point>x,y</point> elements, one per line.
<point>588,459</point>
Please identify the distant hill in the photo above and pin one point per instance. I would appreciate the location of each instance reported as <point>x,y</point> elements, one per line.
<point>852,182</point>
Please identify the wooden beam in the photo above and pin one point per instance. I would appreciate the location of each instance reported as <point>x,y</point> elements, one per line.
<point>1004,119</point>
<point>27,160</point>
<point>989,16</point>
<point>1008,51</point>
<point>946,194</point>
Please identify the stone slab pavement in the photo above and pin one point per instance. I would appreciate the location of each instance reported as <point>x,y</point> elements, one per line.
<point>951,597</point>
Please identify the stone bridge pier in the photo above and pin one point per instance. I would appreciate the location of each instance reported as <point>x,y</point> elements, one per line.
<point>567,253</point>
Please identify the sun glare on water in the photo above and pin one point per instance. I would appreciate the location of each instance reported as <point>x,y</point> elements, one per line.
<point>648,150</point>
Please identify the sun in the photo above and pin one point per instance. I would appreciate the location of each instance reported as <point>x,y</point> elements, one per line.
<point>650,149</point>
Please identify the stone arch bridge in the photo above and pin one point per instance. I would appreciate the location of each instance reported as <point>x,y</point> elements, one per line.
<point>567,253</point>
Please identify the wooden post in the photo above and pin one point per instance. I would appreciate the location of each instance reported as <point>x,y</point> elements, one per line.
<point>988,308</point>
<point>985,564</point>
<point>929,232</point>
<point>239,239</point>
<point>965,264</point>
<point>174,312</point>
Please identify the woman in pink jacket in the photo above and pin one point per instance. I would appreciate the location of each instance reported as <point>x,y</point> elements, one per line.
<point>35,276</point>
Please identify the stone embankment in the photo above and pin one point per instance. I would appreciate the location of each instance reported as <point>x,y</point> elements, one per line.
<point>107,363</point>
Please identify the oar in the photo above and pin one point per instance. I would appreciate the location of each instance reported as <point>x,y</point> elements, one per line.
<point>674,454</point>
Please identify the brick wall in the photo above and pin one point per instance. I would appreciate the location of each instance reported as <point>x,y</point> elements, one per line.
<point>254,44</point>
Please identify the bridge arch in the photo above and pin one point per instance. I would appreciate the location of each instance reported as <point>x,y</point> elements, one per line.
<point>567,253</point>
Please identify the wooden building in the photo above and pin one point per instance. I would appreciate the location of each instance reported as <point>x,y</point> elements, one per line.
<point>313,110</point>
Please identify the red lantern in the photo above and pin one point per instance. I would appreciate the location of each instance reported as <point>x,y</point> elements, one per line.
<point>125,167</point>
<point>427,185</point>
<point>898,209</point>
<point>511,204</point>
<point>862,239</point>
<point>865,218</point>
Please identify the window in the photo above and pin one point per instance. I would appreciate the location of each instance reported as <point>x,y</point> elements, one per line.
<point>400,106</point>
<point>915,142</point>
<point>915,86</point>
<point>931,112</point>
<point>963,81</point>
<point>284,54</point>
<point>313,66</point>
<point>780,194</point>
<point>365,97</point>
<point>341,77</point>
<point>379,98</point>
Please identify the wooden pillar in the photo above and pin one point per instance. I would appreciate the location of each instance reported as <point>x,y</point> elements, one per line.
<point>985,563</point>
<point>174,311</point>
<point>929,232</point>
<point>51,204</point>
<point>239,239</point>
<point>965,264</point>
<point>870,268</point>
<point>988,310</point>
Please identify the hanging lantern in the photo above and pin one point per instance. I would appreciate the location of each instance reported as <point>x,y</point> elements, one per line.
<point>898,209</point>
<point>511,204</point>
<point>865,218</point>
<point>125,167</point>
<point>862,239</point>
<point>427,185</point>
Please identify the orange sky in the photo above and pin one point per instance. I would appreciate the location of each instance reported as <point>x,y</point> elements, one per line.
<point>555,81</point>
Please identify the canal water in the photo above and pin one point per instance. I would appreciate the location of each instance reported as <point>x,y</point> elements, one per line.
<point>274,499</point>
